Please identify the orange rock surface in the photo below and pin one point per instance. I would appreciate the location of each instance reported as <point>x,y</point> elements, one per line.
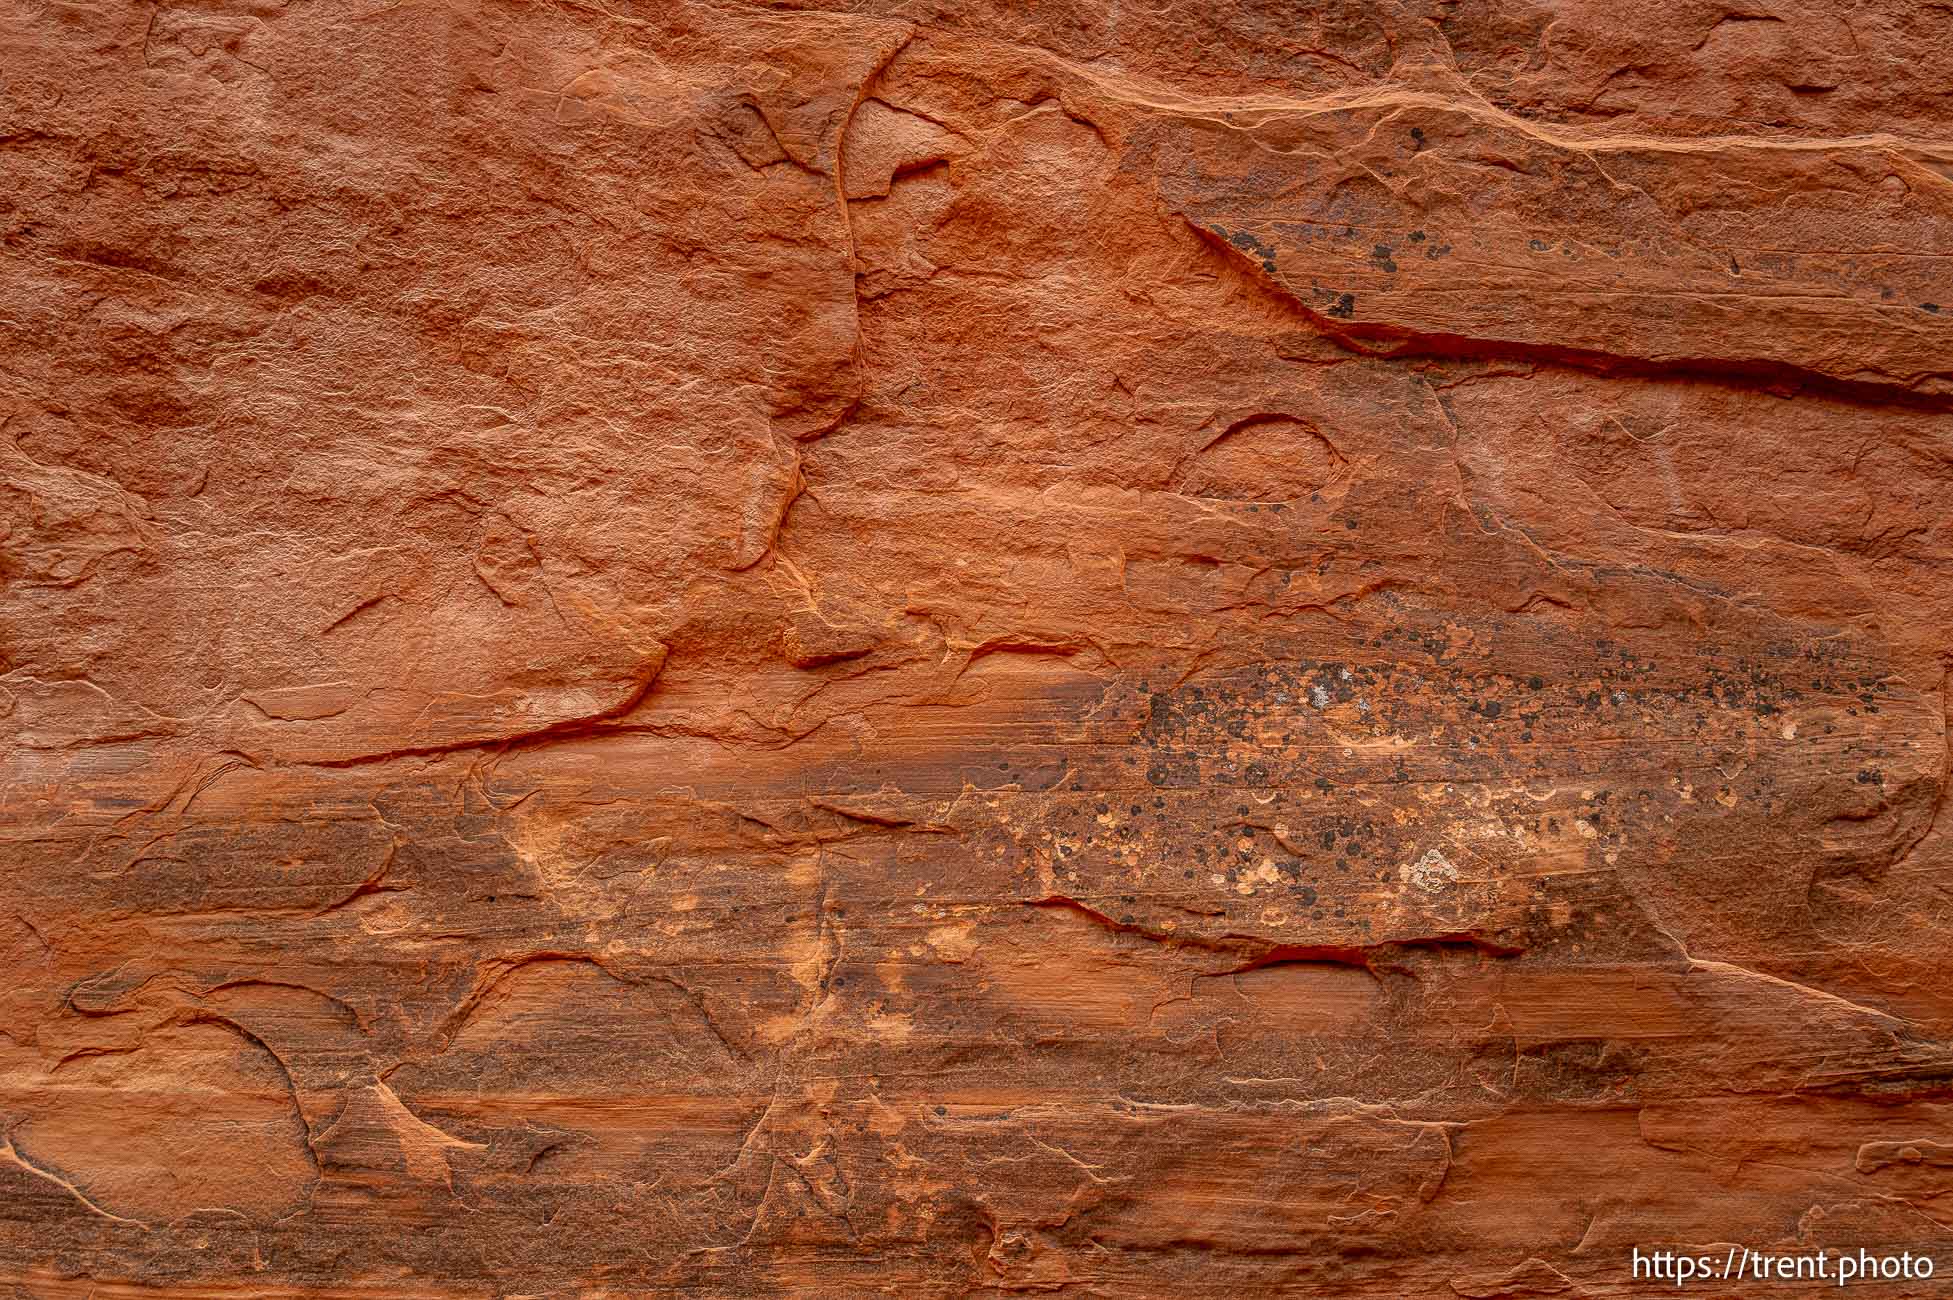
<point>942,649</point>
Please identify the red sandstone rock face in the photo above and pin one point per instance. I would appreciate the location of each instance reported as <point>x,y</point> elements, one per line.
<point>1230,649</point>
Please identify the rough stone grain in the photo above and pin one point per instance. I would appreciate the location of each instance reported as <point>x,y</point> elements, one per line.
<point>946,648</point>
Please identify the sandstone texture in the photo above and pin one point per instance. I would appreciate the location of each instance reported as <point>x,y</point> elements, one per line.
<point>958,647</point>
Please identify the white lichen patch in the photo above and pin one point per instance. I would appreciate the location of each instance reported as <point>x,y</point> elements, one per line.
<point>1433,871</point>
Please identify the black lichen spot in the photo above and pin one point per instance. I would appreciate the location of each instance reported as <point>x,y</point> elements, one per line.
<point>1417,236</point>
<point>1246,241</point>
<point>1537,245</point>
<point>1381,256</point>
<point>1417,139</point>
<point>1929,306</point>
<point>1345,306</point>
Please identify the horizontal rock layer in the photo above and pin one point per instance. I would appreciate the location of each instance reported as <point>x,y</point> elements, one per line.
<point>936,649</point>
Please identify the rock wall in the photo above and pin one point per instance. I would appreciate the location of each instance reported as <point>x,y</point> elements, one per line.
<point>946,648</point>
